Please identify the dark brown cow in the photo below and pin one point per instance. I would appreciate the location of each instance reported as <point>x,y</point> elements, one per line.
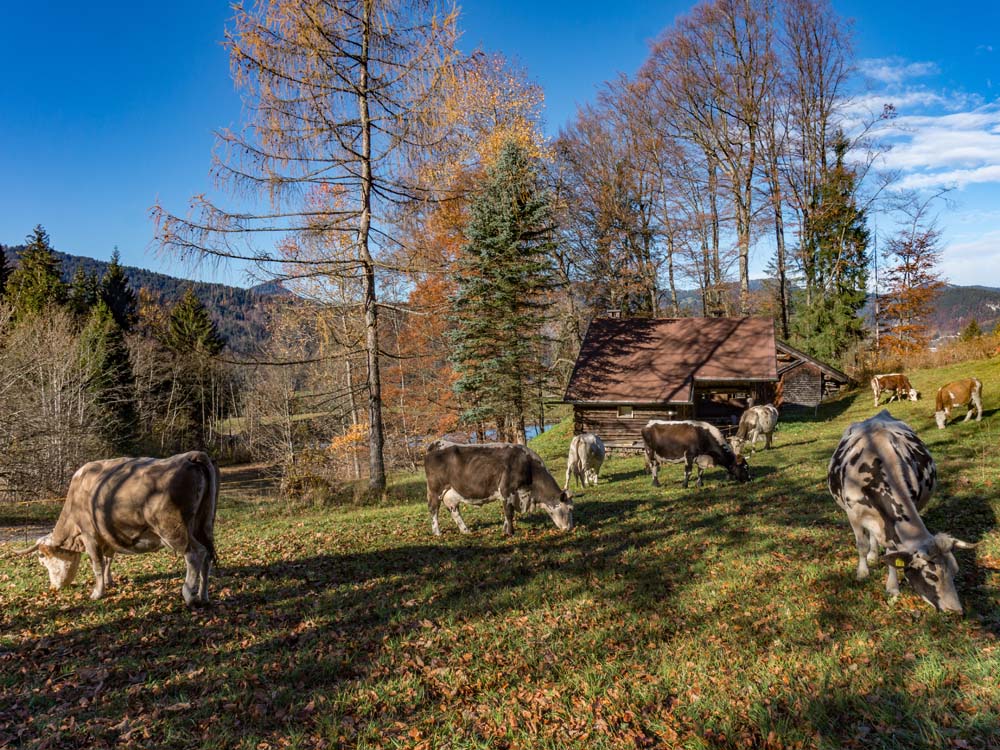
<point>882,475</point>
<point>690,443</point>
<point>136,505</point>
<point>480,473</point>
<point>896,382</point>
<point>967,393</point>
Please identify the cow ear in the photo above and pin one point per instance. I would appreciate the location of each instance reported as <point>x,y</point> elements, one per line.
<point>566,497</point>
<point>899,558</point>
<point>45,550</point>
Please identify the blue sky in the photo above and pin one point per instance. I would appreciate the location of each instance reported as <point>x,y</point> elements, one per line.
<point>106,108</point>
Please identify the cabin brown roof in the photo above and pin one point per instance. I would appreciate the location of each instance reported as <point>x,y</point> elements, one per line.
<point>658,360</point>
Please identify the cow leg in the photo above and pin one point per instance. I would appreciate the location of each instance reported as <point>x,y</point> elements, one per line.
<point>508,516</point>
<point>977,401</point>
<point>701,472</point>
<point>451,501</point>
<point>97,563</point>
<point>569,470</point>
<point>892,582</point>
<point>687,472</point>
<point>767,440</point>
<point>194,557</point>
<point>433,503</point>
<point>106,569</point>
<point>206,568</point>
<point>653,466</point>
<point>968,413</point>
<point>864,545</point>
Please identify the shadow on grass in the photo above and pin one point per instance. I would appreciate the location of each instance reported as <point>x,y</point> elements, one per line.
<point>325,621</point>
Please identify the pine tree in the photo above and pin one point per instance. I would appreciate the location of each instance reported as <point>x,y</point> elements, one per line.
<point>4,271</point>
<point>37,281</point>
<point>971,331</point>
<point>190,329</point>
<point>194,339</point>
<point>82,294</point>
<point>118,295</point>
<point>835,252</point>
<point>505,273</point>
<point>110,378</point>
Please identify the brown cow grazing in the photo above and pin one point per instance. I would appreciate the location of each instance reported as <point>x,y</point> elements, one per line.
<point>692,443</point>
<point>967,393</point>
<point>896,382</point>
<point>136,505</point>
<point>479,473</point>
<point>882,475</point>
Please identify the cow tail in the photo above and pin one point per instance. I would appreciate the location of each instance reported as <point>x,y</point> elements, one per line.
<point>208,505</point>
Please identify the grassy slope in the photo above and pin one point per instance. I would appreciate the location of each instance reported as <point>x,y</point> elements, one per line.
<point>725,616</point>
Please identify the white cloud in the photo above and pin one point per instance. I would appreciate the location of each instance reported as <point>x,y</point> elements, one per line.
<point>895,70</point>
<point>973,262</point>
<point>946,150</point>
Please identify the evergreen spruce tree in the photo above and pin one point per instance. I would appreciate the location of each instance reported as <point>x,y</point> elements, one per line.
<point>194,338</point>
<point>4,270</point>
<point>37,281</point>
<point>82,294</point>
<point>826,323</point>
<point>505,273</point>
<point>118,295</point>
<point>110,378</point>
<point>971,331</point>
<point>190,329</point>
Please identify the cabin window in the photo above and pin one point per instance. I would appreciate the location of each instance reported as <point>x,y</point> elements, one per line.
<point>625,412</point>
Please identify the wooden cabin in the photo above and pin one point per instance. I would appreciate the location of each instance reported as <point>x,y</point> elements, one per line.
<point>805,382</point>
<point>631,370</point>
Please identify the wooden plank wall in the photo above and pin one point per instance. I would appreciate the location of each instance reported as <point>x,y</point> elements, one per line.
<point>618,431</point>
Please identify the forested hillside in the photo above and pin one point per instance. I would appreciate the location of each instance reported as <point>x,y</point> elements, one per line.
<point>236,311</point>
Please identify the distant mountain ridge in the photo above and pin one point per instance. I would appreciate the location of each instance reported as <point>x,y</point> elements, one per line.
<point>237,311</point>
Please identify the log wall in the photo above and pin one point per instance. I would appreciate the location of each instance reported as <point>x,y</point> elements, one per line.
<point>622,432</point>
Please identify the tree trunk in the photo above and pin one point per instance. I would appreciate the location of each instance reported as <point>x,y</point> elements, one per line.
<point>376,436</point>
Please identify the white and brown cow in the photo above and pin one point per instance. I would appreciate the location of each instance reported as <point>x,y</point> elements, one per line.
<point>479,473</point>
<point>135,505</point>
<point>690,443</point>
<point>586,456</point>
<point>882,475</point>
<point>967,393</point>
<point>755,422</point>
<point>897,383</point>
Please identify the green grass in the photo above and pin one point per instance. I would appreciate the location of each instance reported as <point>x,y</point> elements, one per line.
<point>726,616</point>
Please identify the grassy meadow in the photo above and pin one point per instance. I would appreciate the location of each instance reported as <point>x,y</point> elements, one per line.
<point>726,616</point>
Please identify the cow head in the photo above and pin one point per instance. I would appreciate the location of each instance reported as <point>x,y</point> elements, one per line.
<point>739,469</point>
<point>914,394</point>
<point>931,570</point>
<point>940,417</point>
<point>61,564</point>
<point>561,511</point>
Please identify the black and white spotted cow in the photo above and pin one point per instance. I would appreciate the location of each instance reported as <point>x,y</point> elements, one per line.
<point>882,475</point>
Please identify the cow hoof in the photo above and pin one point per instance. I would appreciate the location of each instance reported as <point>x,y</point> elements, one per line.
<point>96,594</point>
<point>189,596</point>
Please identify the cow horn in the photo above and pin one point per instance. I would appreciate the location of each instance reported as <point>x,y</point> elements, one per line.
<point>959,544</point>
<point>28,551</point>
